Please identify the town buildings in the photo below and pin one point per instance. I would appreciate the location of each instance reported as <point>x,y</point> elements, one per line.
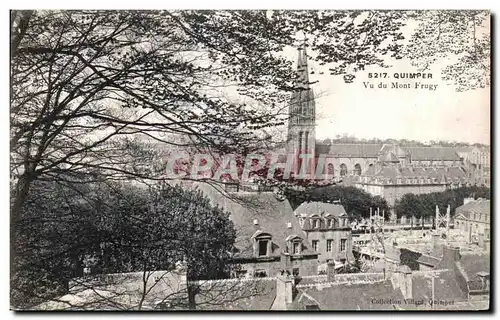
<point>473,219</point>
<point>455,282</point>
<point>328,229</point>
<point>416,169</point>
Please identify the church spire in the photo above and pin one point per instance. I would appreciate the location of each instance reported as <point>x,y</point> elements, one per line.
<point>302,113</point>
<point>302,69</point>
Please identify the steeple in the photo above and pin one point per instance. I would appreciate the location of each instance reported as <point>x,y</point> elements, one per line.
<point>302,112</point>
<point>302,69</point>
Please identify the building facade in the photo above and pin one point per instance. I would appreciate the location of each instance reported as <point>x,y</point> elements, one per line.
<point>344,160</point>
<point>473,218</point>
<point>328,230</point>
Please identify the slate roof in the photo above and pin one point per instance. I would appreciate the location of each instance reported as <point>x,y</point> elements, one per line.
<point>474,263</point>
<point>348,297</point>
<point>397,150</point>
<point>392,172</point>
<point>320,208</point>
<point>433,153</point>
<point>272,217</point>
<point>388,157</point>
<point>239,294</point>
<point>122,291</point>
<point>478,206</point>
<point>354,150</point>
<point>464,149</point>
<point>446,288</point>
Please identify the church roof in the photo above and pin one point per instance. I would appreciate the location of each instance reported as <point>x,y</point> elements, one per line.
<point>354,150</point>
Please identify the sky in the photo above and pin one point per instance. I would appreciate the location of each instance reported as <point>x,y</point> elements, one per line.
<point>423,115</point>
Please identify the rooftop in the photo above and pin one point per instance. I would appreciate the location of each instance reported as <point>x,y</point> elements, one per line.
<point>259,212</point>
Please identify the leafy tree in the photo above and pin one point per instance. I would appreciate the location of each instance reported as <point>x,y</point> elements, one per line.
<point>424,205</point>
<point>356,202</point>
<point>458,38</point>
<point>115,229</point>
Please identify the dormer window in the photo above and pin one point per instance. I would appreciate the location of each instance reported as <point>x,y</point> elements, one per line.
<point>295,244</point>
<point>331,223</point>
<point>315,223</point>
<point>263,248</point>
<point>262,244</point>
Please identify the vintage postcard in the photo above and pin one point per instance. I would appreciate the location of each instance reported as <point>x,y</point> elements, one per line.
<point>250,160</point>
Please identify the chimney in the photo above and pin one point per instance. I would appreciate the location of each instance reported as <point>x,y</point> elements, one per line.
<point>450,256</point>
<point>286,262</point>
<point>285,288</point>
<point>406,282</point>
<point>330,271</point>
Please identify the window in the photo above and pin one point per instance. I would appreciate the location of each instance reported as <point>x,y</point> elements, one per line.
<point>315,223</point>
<point>343,243</point>
<point>296,247</point>
<point>295,271</point>
<point>330,169</point>
<point>343,170</point>
<point>329,243</point>
<point>331,223</point>
<point>315,245</point>
<point>342,222</point>
<point>260,273</point>
<point>357,169</point>
<point>263,247</point>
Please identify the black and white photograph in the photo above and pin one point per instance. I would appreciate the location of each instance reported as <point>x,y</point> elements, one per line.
<point>250,160</point>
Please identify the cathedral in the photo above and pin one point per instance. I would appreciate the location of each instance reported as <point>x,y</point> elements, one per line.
<point>386,170</point>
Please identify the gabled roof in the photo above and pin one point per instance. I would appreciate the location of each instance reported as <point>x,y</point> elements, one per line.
<point>320,208</point>
<point>271,215</point>
<point>477,206</point>
<point>388,157</point>
<point>397,150</point>
<point>433,153</point>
